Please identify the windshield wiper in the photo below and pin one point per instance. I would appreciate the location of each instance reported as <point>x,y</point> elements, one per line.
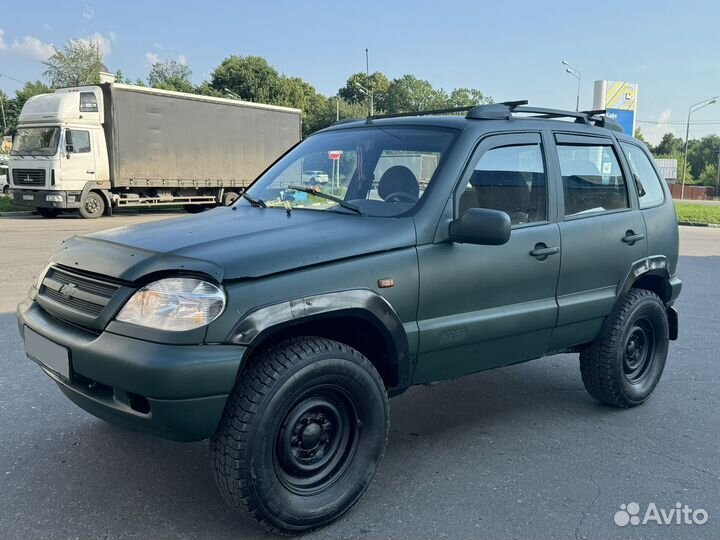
<point>258,203</point>
<point>341,202</point>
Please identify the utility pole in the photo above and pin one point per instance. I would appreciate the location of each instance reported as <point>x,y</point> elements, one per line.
<point>717,184</point>
<point>369,83</point>
<point>696,107</point>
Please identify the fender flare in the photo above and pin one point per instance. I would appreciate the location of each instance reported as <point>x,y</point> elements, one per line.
<point>657,265</point>
<point>255,325</point>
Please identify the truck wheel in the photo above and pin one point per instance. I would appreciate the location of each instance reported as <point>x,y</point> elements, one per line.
<point>229,197</point>
<point>93,206</point>
<point>622,367</point>
<point>48,212</point>
<point>302,435</point>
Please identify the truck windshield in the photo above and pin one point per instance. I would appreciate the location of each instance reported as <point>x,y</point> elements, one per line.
<point>36,141</point>
<point>377,171</point>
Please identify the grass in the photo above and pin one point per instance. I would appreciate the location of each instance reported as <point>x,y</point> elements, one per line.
<point>696,213</point>
<point>6,205</point>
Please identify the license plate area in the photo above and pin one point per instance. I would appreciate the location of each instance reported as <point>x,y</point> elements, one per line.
<point>48,354</point>
<point>28,197</point>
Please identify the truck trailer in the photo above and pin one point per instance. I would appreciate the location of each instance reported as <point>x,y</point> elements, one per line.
<point>95,148</point>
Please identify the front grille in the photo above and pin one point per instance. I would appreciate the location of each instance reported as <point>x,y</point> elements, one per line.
<point>82,293</point>
<point>28,177</point>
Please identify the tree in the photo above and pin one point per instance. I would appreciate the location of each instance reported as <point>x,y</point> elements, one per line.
<point>410,94</point>
<point>121,78</point>
<point>170,75</point>
<point>703,152</point>
<point>80,62</point>
<point>467,97</point>
<point>249,77</point>
<point>708,176</point>
<point>639,136</point>
<point>378,83</point>
<point>14,106</point>
<point>669,145</point>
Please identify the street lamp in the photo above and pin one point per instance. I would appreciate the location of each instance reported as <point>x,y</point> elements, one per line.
<point>575,73</point>
<point>696,107</point>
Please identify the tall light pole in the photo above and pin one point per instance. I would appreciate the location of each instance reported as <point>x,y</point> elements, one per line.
<point>696,107</point>
<point>367,74</point>
<point>575,73</point>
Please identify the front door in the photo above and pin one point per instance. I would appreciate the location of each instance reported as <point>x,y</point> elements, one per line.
<point>78,163</point>
<point>487,306</point>
<point>602,230</point>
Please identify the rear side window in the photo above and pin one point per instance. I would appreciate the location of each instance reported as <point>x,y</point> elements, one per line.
<point>650,190</point>
<point>511,179</point>
<point>592,179</point>
<point>88,102</point>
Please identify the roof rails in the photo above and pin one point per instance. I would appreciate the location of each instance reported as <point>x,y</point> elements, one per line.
<point>505,110</point>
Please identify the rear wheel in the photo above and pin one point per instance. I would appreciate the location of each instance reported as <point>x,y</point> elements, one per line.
<point>92,206</point>
<point>625,364</point>
<point>229,197</point>
<point>302,434</point>
<point>48,212</point>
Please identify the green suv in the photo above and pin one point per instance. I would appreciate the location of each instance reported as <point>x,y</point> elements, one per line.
<point>441,245</point>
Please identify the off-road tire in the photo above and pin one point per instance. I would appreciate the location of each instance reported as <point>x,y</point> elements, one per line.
<point>282,404</point>
<point>612,370</point>
<point>48,212</point>
<point>92,206</point>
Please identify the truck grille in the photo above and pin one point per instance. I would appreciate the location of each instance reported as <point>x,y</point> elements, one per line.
<point>84,294</point>
<point>28,177</point>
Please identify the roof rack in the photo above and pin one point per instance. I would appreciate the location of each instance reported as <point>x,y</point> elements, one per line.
<point>505,110</point>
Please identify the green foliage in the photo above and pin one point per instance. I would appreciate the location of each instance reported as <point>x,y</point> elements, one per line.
<point>14,106</point>
<point>78,63</point>
<point>639,136</point>
<point>377,83</point>
<point>410,94</point>
<point>702,152</point>
<point>171,75</point>
<point>466,97</point>
<point>249,77</point>
<point>669,146</point>
<point>121,78</point>
<point>708,176</point>
<point>697,213</point>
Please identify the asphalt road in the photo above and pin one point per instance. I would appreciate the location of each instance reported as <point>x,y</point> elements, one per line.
<point>518,452</point>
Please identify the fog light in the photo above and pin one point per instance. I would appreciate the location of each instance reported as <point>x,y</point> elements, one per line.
<point>54,198</point>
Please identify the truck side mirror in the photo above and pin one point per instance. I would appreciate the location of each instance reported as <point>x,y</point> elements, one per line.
<point>481,226</point>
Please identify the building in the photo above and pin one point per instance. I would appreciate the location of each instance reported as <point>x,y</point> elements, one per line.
<point>668,168</point>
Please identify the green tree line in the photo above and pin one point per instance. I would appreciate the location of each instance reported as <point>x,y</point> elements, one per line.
<point>252,78</point>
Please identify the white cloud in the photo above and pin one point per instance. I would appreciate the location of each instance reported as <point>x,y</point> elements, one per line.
<point>151,58</point>
<point>654,132</point>
<point>32,48</point>
<point>88,13</point>
<point>104,43</point>
<point>3,45</point>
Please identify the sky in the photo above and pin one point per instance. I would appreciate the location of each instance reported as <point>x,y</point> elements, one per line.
<point>509,50</point>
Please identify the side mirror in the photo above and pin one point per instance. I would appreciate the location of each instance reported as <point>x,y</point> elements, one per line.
<point>481,226</point>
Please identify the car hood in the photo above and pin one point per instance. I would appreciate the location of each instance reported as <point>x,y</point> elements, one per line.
<point>234,243</point>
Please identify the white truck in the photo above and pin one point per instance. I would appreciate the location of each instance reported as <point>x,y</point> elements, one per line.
<point>95,148</point>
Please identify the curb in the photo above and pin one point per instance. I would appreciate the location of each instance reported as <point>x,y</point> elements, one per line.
<point>692,224</point>
<point>16,213</point>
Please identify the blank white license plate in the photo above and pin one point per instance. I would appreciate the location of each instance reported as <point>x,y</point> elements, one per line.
<point>28,197</point>
<point>51,355</point>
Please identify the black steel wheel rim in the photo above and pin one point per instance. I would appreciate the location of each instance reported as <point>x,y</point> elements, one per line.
<point>639,351</point>
<point>316,440</point>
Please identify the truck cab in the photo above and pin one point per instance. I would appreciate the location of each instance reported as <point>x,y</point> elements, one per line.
<point>59,152</point>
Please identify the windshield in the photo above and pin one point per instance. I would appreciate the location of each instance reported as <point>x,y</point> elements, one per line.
<point>374,171</point>
<point>37,141</point>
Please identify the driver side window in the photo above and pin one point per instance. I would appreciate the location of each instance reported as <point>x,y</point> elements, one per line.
<point>511,179</point>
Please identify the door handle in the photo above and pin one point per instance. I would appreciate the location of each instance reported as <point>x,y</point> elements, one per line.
<point>630,237</point>
<point>90,171</point>
<point>542,252</point>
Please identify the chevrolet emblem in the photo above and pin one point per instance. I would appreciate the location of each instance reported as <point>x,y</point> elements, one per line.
<point>68,290</point>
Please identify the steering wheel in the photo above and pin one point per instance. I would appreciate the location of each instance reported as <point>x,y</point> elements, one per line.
<point>401,196</point>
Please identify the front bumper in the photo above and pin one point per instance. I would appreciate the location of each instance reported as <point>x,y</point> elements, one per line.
<point>39,198</point>
<point>173,391</point>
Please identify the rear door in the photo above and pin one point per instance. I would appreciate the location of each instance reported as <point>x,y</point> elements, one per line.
<point>602,233</point>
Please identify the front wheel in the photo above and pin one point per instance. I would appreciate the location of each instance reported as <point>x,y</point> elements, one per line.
<point>624,365</point>
<point>302,434</point>
<point>93,206</point>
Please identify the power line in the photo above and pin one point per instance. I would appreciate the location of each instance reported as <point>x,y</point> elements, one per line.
<point>11,78</point>
<point>679,123</point>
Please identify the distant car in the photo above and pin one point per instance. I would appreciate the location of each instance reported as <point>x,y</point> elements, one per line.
<point>315,177</point>
<point>4,185</point>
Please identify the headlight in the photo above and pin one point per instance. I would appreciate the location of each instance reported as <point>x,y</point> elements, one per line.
<point>174,304</point>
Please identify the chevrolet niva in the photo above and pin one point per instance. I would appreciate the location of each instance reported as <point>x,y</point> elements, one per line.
<point>441,245</point>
